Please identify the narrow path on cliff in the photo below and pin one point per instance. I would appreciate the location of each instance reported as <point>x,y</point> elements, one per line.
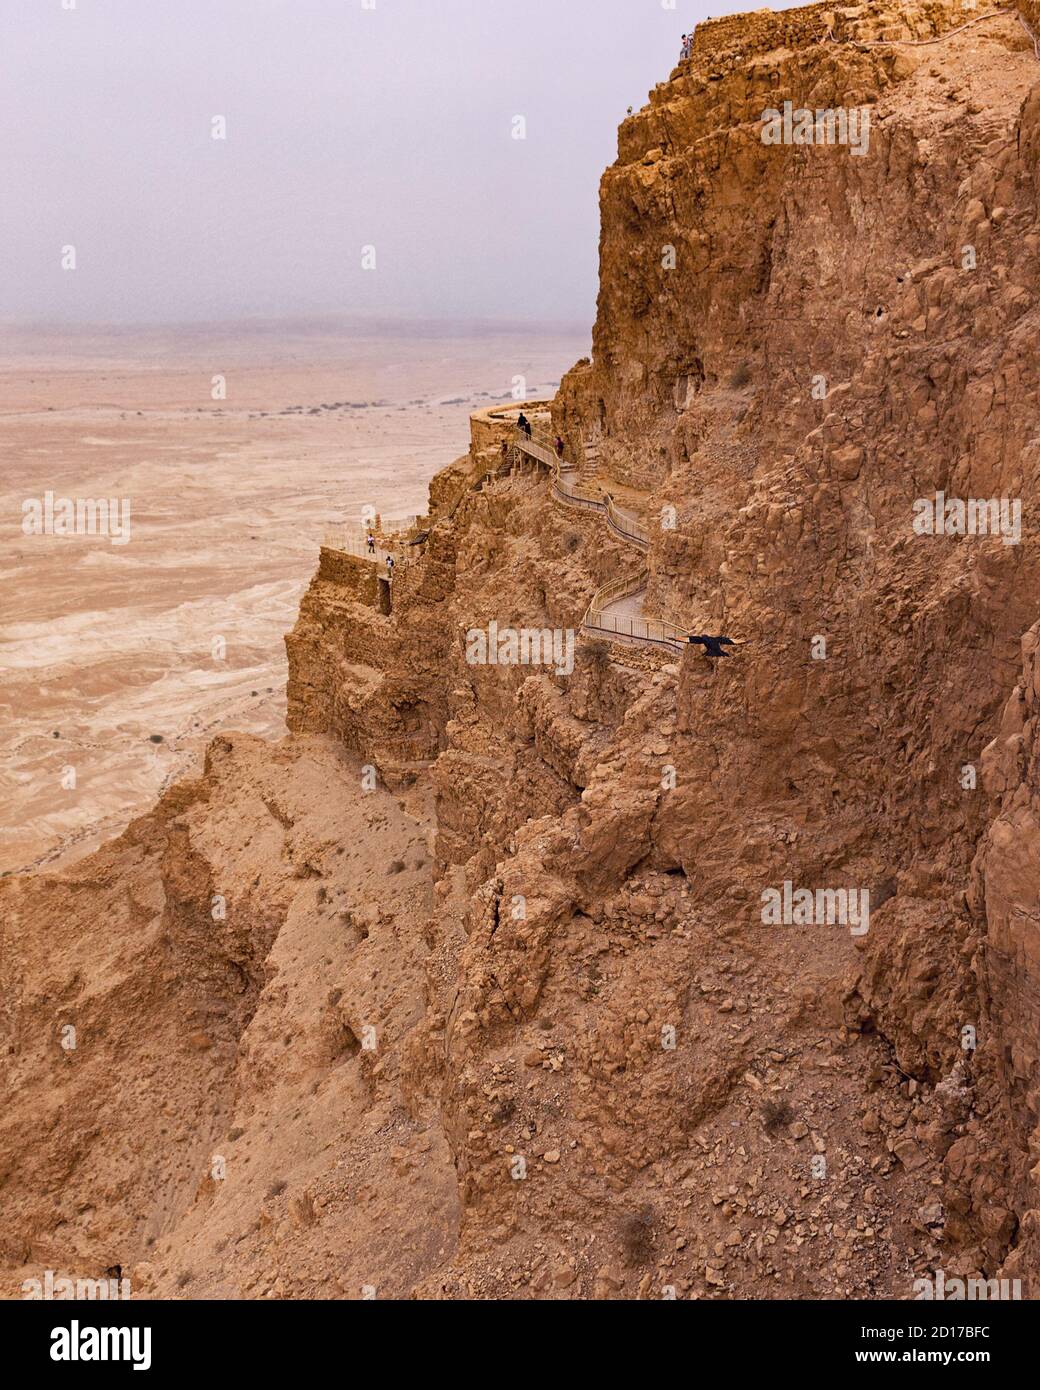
<point>616,610</point>
<point>624,611</point>
<point>351,541</point>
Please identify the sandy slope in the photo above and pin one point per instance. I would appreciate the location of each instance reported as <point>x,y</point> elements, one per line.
<point>236,1084</point>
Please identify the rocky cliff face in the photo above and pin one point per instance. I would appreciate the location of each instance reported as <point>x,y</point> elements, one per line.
<point>644,1082</point>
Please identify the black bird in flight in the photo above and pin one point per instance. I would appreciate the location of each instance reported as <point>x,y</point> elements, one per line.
<point>713,645</point>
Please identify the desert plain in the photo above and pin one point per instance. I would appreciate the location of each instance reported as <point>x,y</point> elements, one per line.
<point>237,447</point>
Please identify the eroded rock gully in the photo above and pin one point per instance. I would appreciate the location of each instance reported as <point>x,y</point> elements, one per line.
<point>597,1072</point>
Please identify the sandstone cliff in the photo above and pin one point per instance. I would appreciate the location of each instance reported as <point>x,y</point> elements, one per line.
<point>599,1072</point>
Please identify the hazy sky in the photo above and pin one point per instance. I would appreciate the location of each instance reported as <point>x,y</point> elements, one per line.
<point>390,126</point>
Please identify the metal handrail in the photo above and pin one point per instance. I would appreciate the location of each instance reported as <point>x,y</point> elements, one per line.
<point>348,538</point>
<point>621,587</point>
<point>540,448</point>
<point>650,630</point>
<point>540,451</point>
<point>622,523</point>
<point>625,525</point>
<point>353,540</point>
<point>345,543</point>
<point>654,631</point>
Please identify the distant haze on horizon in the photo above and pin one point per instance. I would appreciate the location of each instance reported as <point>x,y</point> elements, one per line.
<point>346,127</point>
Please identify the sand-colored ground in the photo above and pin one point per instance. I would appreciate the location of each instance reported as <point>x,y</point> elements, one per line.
<point>104,646</point>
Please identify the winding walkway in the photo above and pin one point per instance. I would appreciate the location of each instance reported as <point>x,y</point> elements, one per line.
<point>616,610</point>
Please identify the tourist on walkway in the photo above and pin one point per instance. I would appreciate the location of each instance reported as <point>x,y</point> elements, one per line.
<point>559,447</point>
<point>390,567</point>
<point>371,543</point>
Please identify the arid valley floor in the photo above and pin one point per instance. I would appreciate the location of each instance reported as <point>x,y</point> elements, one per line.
<point>102,645</point>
